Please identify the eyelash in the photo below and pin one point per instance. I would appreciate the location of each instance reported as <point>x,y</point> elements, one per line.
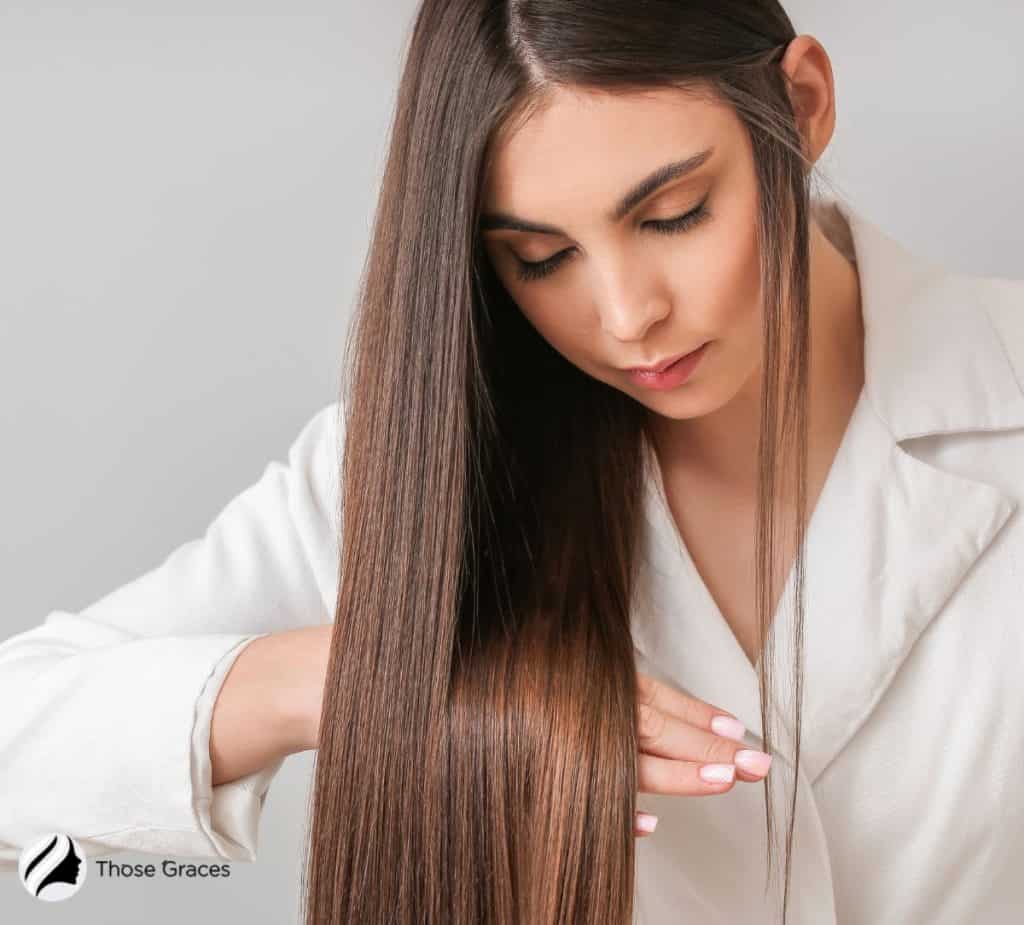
<point>527,271</point>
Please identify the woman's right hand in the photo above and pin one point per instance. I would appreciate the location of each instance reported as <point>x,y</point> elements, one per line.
<point>682,739</point>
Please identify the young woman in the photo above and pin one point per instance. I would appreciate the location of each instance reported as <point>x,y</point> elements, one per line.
<point>610,357</point>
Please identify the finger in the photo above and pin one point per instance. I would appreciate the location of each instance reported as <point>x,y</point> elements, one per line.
<point>679,778</point>
<point>665,735</point>
<point>688,708</point>
<point>655,774</point>
<point>747,777</point>
<point>695,711</point>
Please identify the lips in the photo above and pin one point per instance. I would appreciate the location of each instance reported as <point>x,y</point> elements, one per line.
<point>672,376</point>
<point>663,364</point>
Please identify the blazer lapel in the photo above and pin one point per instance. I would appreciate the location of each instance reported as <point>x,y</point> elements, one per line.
<point>890,537</point>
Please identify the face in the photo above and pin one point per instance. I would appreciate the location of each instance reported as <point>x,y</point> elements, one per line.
<point>675,269</point>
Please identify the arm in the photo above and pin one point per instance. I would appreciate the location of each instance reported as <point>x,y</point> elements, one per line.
<point>269,704</point>
<point>107,713</point>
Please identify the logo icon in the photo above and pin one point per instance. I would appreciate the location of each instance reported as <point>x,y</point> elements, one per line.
<point>52,868</point>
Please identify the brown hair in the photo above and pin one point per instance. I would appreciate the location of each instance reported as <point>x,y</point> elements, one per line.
<point>478,742</point>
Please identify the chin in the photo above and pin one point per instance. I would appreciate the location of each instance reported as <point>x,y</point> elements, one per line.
<point>679,404</point>
<point>703,394</point>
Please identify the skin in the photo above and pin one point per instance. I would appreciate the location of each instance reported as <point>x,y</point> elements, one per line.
<point>625,295</point>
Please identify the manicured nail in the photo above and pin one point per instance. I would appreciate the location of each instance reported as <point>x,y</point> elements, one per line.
<point>728,727</point>
<point>753,761</point>
<point>645,822</point>
<point>718,773</point>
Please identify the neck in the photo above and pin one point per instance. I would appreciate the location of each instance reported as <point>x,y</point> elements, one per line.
<point>722,444</point>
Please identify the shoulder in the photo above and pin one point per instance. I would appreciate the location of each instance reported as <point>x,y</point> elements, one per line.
<point>314,460</point>
<point>319,435</point>
<point>321,430</point>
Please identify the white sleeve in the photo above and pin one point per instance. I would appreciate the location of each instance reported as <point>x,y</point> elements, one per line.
<point>105,714</point>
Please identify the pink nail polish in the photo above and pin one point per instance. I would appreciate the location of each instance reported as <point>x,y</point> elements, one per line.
<point>754,761</point>
<point>718,773</point>
<point>728,727</point>
<point>646,822</point>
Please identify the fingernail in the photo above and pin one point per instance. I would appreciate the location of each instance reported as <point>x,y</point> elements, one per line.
<point>645,822</point>
<point>718,773</point>
<point>728,727</point>
<point>753,761</point>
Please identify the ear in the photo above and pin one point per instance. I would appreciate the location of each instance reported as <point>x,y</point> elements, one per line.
<point>808,73</point>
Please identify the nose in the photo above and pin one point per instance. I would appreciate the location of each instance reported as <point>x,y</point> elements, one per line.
<point>628,319</point>
<point>632,294</point>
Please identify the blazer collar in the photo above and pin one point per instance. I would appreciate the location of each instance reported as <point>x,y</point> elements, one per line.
<point>934,364</point>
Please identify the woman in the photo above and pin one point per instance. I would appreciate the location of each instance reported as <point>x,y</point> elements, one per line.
<point>555,570</point>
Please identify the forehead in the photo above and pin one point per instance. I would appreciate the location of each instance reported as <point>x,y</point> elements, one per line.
<point>586,140</point>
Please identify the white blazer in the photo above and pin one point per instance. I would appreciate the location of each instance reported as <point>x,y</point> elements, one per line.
<point>910,799</point>
<point>910,807</point>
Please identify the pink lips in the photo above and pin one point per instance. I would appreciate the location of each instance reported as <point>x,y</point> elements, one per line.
<point>670,373</point>
<point>658,367</point>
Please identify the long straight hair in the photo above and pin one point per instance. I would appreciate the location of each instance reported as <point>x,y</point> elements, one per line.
<point>477,758</point>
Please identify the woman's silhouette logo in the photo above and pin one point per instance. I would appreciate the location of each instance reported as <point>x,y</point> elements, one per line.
<point>53,868</point>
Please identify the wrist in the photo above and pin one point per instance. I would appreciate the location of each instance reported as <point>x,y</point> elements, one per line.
<point>300,669</point>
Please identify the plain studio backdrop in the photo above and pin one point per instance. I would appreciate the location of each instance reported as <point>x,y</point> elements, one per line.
<point>185,197</point>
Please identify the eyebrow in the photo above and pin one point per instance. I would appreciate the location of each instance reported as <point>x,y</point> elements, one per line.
<point>492,221</point>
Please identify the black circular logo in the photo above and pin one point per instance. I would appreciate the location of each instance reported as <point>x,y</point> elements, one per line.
<point>52,868</point>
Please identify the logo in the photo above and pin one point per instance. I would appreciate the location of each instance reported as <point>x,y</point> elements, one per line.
<point>52,868</point>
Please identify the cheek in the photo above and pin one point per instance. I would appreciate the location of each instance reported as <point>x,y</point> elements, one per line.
<point>551,316</point>
<point>561,324</point>
<point>728,282</point>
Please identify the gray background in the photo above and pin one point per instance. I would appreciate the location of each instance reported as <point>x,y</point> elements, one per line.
<point>186,193</point>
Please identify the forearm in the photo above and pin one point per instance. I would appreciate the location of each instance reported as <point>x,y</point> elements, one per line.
<point>269,704</point>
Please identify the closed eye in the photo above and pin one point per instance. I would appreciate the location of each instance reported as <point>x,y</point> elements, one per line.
<point>527,271</point>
